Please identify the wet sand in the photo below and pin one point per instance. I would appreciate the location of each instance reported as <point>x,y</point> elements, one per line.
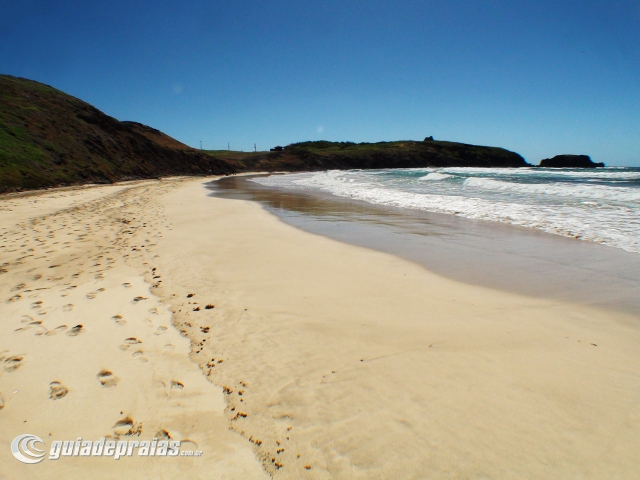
<point>324,359</point>
<point>489,254</point>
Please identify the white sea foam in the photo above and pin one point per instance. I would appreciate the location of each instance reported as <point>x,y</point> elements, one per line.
<point>604,213</point>
<point>544,172</point>
<point>593,174</point>
<point>434,176</point>
<point>574,190</point>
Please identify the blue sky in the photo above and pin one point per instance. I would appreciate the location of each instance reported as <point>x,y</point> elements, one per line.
<point>537,77</point>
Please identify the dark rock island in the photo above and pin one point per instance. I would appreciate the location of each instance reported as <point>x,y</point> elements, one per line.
<point>570,161</point>
<point>49,138</point>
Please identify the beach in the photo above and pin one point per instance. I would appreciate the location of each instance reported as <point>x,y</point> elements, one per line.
<point>150,309</point>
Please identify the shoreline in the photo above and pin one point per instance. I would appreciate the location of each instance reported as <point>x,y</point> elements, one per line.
<point>476,252</point>
<point>352,362</point>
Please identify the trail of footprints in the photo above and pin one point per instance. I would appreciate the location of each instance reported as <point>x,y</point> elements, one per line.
<point>48,239</point>
<point>45,237</point>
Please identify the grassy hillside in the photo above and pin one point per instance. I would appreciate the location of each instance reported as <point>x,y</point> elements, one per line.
<point>50,138</point>
<point>322,155</point>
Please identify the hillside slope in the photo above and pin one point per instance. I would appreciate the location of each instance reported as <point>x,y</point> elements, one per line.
<point>50,138</point>
<point>323,155</point>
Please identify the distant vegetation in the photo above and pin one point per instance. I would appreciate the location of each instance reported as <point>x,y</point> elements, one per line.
<point>323,155</point>
<point>49,138</point>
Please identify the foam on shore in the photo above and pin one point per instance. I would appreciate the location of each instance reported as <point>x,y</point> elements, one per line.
<point>599,207</point>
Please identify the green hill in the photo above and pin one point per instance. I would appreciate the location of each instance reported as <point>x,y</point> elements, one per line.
<point>323,155</point>
<point>49,138</point>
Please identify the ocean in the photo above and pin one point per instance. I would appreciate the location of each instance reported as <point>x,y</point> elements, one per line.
<point>569,235</point>
<point>596,205</point>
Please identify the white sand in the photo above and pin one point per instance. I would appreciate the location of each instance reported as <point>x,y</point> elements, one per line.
<point>337,361</point>
<point>126,364</point>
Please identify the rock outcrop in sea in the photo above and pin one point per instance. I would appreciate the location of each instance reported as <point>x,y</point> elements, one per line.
<point>570,161</point>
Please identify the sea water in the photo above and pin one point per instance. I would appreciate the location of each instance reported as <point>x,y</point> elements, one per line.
<point>597,205</point>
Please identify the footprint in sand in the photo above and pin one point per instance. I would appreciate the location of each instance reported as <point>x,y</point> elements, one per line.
<point>119,319</point>
<point>31,324</point>
<point>35,324</point>
<point>169,347</point>
<point>161,330</point>
<point>26,319</point>
<point>56,330</point>
<point>36,305</point>
<point>20,286</point>
<point>68,307</point>
<point>162,434</point>
<point>176,385</point>
<point>1,401</point>
<point>126,285</point>
<point>128,342</point>
<point>153,311</point>
<point>13,363</point>
<point>139,355</point>
<point>92,295</point>
<point>107,378</point>
<point>57,391</point>
<point>126,427</point>
<point>77,330</point>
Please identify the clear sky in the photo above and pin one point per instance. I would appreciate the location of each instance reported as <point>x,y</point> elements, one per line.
<point>537,77</point>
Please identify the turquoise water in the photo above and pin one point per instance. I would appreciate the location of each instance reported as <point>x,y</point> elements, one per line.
<point>599,205</point>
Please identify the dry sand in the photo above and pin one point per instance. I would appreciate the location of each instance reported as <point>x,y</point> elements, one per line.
<point>335,361</point>
<point>87,349</point>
